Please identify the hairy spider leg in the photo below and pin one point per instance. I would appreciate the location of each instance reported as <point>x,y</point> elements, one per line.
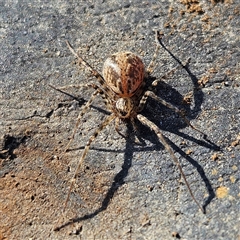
<point>162,139</point>
<point>105,123</point>
<point>97,91</point>
<point>153,64</point>
<point>84,110</point>
<point>151,125</point>
<point>170,106</point>
<point>158,37</point>
<point>94,72</point>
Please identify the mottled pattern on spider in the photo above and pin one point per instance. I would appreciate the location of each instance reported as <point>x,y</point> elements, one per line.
<point>123,88</point>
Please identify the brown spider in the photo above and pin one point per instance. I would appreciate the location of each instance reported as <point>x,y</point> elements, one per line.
<point>122,86</point>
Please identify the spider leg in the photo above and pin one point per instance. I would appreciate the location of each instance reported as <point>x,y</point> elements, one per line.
<point>158,38</point>
<point>106,122</point>
<point>165,76</point>
<point>84,109</point>
<point>175,109</point>
<point>137,140</point>
<point>157,131</point>
<point>117,123</point>
<point>151,66</point>
<point>135,128</point>
<point>98,90</point>
<point>90,68</point>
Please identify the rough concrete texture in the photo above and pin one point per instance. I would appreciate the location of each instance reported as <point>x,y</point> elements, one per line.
<point>123,190</point>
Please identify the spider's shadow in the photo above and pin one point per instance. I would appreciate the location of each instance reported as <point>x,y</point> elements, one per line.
<point>152,112</point>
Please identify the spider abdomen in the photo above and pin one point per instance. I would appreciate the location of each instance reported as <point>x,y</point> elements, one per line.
<point>123,73</point>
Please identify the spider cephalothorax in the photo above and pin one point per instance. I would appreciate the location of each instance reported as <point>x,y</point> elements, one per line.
<point>122,86</point>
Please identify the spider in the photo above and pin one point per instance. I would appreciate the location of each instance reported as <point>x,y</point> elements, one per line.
<point>123,89</point>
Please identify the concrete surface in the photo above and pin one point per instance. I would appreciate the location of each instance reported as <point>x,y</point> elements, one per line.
<point>123,190</point>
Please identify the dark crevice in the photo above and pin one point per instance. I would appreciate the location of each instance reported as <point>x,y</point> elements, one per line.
<point>10,143</point>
